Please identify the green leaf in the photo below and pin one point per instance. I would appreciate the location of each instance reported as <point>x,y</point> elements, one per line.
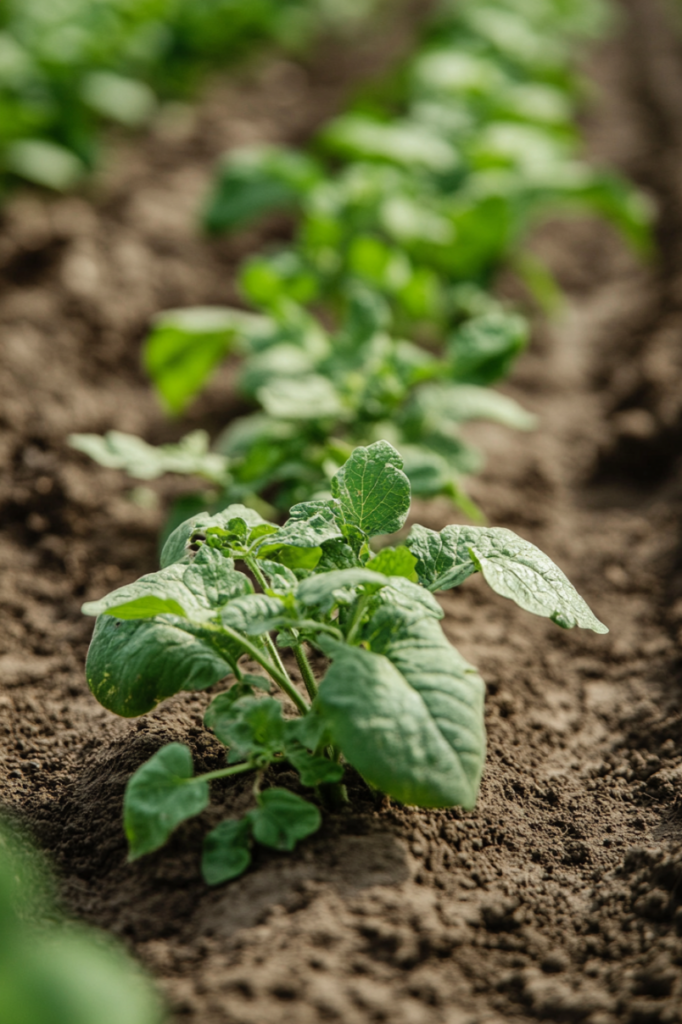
<point>251,613</point>
<point>411,597</point>
<point>410,718</point>
<point>190,456</point>
<point>197,591</point>
<point>484,348</point>
<point>227,852</point>
<point>322,588</point>
<point>313,770</point>
<point>513,567</point>
<point>282,819</point>
<point>518,570</point>
<point>310,525</point>
<point>159,796</point>
<point>176,548</point>
<point>443,559</point>
<point>395,562</point>
<point>256,180</point>
<point>186,345</point>
<point>373,490</point>
<point>407,143</point>
<point>434,404</point>
<point>307,397</point>
<point>281,579</point>
<point>132,666</point>
<point>251,727</point>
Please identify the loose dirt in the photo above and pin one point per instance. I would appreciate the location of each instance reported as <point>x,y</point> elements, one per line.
<point>560,896</point>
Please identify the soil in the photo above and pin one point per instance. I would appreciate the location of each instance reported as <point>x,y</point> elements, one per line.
<point>560,896</point>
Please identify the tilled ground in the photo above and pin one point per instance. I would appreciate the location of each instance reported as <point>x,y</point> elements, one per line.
<point>560,897</point>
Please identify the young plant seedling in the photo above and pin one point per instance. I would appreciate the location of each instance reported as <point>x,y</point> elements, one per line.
<point>398,702</point>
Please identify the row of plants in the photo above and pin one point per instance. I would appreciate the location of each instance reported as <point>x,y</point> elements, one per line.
<point>68,64</point>
<point>378,320</point>
<point>406,210</point>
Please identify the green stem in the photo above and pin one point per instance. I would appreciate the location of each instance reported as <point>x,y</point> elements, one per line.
<point>234,769</point>
<point>306,671</point>
<point>280,677</point>
<point>267,639</point>
<point>357,618</point>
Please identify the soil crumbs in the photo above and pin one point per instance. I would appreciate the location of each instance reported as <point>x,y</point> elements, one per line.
<point>560,896</point>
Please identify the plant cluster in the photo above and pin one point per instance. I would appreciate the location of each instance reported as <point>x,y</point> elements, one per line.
<point>66,65</point>
<point>397,702</point>
<point>55,972</point>
<point>425,192</point>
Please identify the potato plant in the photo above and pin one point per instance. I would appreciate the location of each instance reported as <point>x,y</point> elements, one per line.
<point>320,394</point>
<point>397,702</point>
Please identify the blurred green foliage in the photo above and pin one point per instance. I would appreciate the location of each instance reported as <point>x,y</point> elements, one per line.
<point>67,64</point>
<point>55,972</point>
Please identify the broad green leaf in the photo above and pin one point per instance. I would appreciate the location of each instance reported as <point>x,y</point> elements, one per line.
<point>282,819</point>
<point>483,349</point>
<point>159,796</point>
<point>196,591</point>
<point>248,614</point>
<point>132,666</point>
<point>321,588</point>
<point>373,490</point>
<point>249,726</point>
<point>157,593</point>
<point>406,143</point>
<point>213,580</point>
<point>227,852</point>
<point>176,548</point>
<point>44,163</point>
<point>307,397</point>
<point>434,404</point>
<point>443,559</point>
<point>312,730</point>
<point>186,345</point>
<point>256,180</point>
<point>281,579</point>
<point>513,567</point>
<point>411,597</point>
<point>409,718</point>
<point>395,562</point>
<point>123,99</point>
<point>312,769</point>
<point>518,570</point>
<point>144,461</point>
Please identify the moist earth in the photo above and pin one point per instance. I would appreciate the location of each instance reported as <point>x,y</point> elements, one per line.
<point>560,896</point>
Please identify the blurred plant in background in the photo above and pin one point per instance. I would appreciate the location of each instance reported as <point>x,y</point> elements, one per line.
<point>408,206</point>
<point>67,64</point>
<point>53,971</point>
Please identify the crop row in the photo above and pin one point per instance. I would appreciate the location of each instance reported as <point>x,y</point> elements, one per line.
<point>378,320</point>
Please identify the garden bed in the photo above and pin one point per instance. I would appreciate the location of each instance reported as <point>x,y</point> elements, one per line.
<point>559,896</point>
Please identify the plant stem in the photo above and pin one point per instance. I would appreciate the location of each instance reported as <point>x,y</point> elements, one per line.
<point>267,639</point>
<point>357,618</point>
<point>233,769</point>
<point>280,676</point>
<point>306,671</point>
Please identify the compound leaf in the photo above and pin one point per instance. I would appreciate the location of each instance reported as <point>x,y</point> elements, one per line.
<point>160,795</point>
<point>373,490</point>
<point>227,852</point>
<point>283,818</point>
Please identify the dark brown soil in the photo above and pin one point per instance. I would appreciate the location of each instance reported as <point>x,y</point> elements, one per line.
<point>560,897</point>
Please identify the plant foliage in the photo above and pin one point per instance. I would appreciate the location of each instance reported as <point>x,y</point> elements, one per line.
<point>398,702</point>
<point>413,202</point>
